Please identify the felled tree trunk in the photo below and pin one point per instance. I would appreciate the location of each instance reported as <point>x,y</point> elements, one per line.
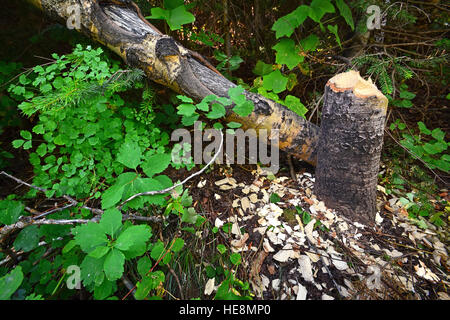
<point>125,31</point>
<point>350,142</point>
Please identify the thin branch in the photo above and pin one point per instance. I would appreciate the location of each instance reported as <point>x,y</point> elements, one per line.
<point>150,193</point>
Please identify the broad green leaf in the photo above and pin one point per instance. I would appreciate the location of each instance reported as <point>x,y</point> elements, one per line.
<point>156,164</point>
<point>286,25</point>
<point>99,252</point>
<point>178,245</point>
<point>28,239</point>
<point>185,99</point>
<point>10,211</point>
<point>157,250</point>
<point>148,283</point>
<point>25,134</point>
<point>178,17</point>
<point>309,43</point>
<point>144,265</point>
<point>92,271</point>
<point>244,109</point>
<point>221,248</point>
<point>346,13</point>
<point>423,128</point>
<point>186,109</point>
<point>262,68</point>
<point>10,282</point>
<point>133,236</point>
<point>233,125</point>
<point>318,8</point>
<point>18,143</point>
<point>89,236</point>
<point>172,4</point>
<point>407,95</point>
<point>438,134</point>
<point>104,290</point>
<point>113,265</point>
<point>112,196</point>
<point>130,154</point>
<point>287,53</point>
<point>111,221</point>
<point>275,81</point>
<point>295,105</point>
<point>217,111</point>
<point>235,258</point>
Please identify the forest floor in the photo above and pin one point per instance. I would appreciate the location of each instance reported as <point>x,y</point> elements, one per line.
<point>296,248</point>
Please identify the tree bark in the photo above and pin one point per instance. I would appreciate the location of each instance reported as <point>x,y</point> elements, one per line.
<point>126,32</point>
<point>350,142</point>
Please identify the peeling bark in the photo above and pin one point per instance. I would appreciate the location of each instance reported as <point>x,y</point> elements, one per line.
<point>350,142</point>
<point>141,45</point>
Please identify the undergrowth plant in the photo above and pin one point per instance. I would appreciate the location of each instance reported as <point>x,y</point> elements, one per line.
<point>89,143</point>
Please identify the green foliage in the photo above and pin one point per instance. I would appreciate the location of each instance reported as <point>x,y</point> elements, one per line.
<point>429,145</point>
<point>213,107</point>
<point>227,63</point>
<point>10,283</point>
<point>175,13</point>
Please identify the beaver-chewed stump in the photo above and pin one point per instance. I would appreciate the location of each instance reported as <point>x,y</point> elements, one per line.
<point>349,147</point>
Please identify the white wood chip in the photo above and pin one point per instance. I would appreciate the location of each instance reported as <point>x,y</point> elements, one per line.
<point>302,292</point>
<point>305,268</point>
<point>209,287</point>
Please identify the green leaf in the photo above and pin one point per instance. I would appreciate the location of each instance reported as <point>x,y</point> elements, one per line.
<point>112,196</point>
<point>423,128</point>
<point>92,271</point>
<point>244,109</point>
<point>235,258</point>
<point>287,53</point>
<point>28,239</point>
<point>104,290</point>
<point>438,134</point>
<point>262,68</point>
<point>295,105</point>
<point>178,245</point>
<point>186,109</point>
<point>233,125</point>
<point>18,143</point>
<point>286,25</point>
<point>318,8</point>
<point>144,265</point>
<point>274,198</point>
<point>111,221</point>
<point>407,95</point>
<point>99,252</point>
<point>275,81</point>
<point>10,211</point>
<point>133,237</point>
<point>10,282</point>
<point>157,250</point>
<point>334,30</point>
<point>346,13</point>
<point>221,248</point>
<point>89,236</point>
<point>217,111</point>
<point>130,154</point>
<point>25,134</point>
<point>148,283</point>
<point>27,145</point>
<point>185,99</point>
<point>114,264</point>
<point>156,164</point>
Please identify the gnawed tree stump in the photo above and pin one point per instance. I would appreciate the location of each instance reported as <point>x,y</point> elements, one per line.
<point>349,147</point>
